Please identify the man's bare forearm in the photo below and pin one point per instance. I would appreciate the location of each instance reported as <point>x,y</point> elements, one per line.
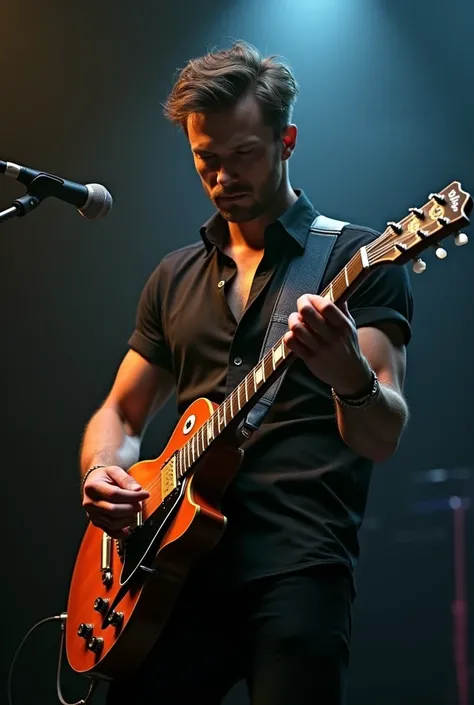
<point>375,431</point>
<point>106,442</point>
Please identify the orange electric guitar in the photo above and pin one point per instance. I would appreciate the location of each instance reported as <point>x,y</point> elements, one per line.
<point>122,592</point>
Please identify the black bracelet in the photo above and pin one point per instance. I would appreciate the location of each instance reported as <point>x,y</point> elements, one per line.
<point>86,475</point>
<point>363,401</point>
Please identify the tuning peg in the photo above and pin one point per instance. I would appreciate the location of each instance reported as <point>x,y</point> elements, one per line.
<point>438,197</point>
<point>461,239</point>
<point>440,252</point>
<point>418,212</point>
<point>419,266</point>
<point>396,227</point>
<point>443,221</point>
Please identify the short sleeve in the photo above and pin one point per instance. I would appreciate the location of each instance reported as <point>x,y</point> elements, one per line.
<point>384,295</point>
<point>148,338</point>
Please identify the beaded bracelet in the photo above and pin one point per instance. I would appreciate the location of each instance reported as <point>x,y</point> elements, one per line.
<point>363,401</point>
<point>86,475</point>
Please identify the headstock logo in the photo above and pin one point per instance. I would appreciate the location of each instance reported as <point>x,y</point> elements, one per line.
<point>454,199</point>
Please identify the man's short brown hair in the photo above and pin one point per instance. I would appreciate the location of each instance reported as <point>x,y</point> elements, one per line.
<point>217,81</point>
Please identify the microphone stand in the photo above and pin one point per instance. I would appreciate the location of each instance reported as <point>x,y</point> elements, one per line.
<point>41,187</point>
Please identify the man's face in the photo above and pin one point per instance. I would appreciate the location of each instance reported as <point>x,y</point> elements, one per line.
<point>238,159</point>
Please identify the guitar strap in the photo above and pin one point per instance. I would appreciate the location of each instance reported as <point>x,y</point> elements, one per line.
<point>304,274</point>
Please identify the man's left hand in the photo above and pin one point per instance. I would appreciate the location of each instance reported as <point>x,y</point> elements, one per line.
<point>324,336</point>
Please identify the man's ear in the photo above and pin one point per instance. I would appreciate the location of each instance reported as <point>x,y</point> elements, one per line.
<point>288,138</point>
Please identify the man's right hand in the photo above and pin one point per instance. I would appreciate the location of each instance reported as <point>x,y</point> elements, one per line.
<point>112,499</point>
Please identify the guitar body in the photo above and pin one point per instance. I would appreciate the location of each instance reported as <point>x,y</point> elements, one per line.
<point>136,601</point>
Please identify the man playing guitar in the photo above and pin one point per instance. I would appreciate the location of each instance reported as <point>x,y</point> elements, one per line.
<point>272,603</point>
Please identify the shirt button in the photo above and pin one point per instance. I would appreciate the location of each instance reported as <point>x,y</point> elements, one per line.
<point>221,284</point>
<point>237,361</point>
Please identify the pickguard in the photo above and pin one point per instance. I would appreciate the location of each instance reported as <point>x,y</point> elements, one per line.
<point>141,547</point>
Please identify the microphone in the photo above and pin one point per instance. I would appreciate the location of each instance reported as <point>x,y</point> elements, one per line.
<point>92,200</point>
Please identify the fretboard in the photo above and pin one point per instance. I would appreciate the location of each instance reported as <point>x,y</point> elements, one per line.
<point>263,375</point>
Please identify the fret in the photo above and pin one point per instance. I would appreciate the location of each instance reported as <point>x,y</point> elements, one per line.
<point>188,457</point>
<point>259,376</point>
<point>225,418</point>
<point>364,258</point>
<point>278,353</point>
<point>192,447</point>
<point>184,465</point>
<point>246,391</point>
<point>219,419</point>
<point>337,287</point>
<point>346,275</point>
<point>178,463</point>
<point>238,396</point>
<point>231,407</point>
<point>268,365</point>
<point>210,432</point>
<point>331,292</point>
<point>200,450</point>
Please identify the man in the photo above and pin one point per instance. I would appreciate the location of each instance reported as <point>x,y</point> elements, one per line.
<point>272,604</point>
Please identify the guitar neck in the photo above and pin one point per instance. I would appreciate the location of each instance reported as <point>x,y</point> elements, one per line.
<point>236,406</point>
<point>279,357</point>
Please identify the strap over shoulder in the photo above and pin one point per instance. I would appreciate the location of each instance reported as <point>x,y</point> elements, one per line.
<point>304,275</point>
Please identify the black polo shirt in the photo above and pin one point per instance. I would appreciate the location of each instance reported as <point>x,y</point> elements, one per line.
<point>300,495</point>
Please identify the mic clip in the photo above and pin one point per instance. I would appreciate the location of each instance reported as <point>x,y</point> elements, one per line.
<point>41,187</point>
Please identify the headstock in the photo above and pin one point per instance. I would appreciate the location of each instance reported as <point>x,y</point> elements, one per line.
<point>445,213</point>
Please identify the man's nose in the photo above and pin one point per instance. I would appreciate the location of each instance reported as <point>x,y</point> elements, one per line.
<point>226,177</point>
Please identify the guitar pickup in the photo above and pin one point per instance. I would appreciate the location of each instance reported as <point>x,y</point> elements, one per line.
<point>168,477</point>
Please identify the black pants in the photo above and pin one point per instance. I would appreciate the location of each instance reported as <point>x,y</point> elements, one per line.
<point>288,636</point>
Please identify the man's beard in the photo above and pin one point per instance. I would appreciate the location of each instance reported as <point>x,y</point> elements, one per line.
<point>236,213</point>
<point>239,213</point>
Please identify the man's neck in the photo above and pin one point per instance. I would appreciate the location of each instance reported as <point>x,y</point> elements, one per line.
<point>251,234</point>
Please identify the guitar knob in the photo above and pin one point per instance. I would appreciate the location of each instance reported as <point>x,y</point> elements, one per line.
<point>84,630</point>
<point>419,266</point>
<point>441,253</point>
<point>115,619</point>
<point>461,239</point>
<point>96,644</point>
<point>101,605</point>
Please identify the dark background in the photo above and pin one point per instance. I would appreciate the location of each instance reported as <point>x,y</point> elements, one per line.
<point>385,116</point>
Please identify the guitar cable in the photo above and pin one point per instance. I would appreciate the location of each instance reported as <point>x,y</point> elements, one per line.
<point>62,617</point>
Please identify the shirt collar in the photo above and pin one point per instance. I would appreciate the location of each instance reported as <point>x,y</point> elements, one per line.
<point>295,221</point>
